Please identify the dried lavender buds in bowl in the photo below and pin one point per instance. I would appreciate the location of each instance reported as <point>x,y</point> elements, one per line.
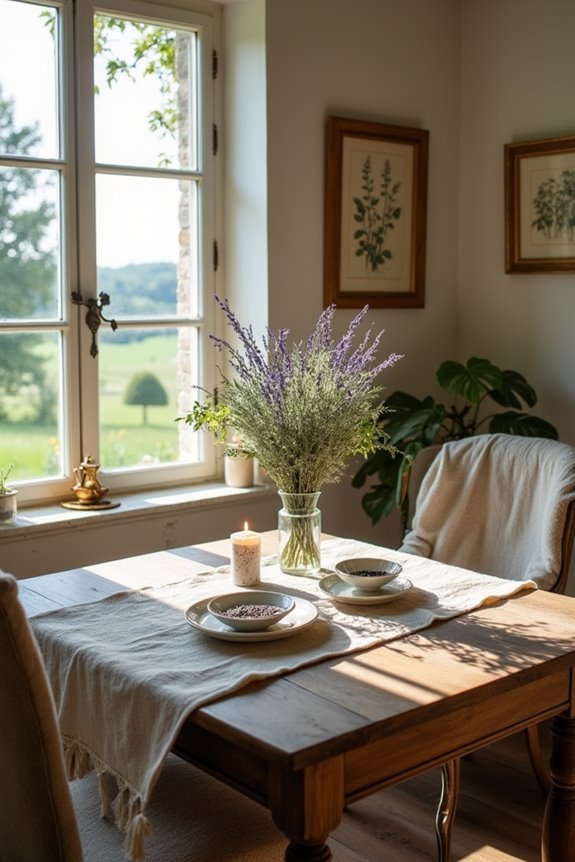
<point>367,574</point>
<point>251,611</point>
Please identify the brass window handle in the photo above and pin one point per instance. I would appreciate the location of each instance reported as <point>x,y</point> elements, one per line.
<point>94,316</point>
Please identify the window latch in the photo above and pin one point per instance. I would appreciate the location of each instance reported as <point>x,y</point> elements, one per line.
<point>94,316</point>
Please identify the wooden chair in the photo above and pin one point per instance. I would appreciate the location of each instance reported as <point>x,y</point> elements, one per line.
<point>47,819</point>
<point>461,475</point>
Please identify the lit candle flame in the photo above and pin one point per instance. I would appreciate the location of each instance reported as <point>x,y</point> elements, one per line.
<point>246,526</point>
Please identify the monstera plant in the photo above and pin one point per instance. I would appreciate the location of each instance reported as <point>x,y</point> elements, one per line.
<point>474,389</point>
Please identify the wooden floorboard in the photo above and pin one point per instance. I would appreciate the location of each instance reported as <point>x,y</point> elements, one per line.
<point>498,817</point>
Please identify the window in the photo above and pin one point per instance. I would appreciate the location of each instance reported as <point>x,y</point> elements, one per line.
<point>107,190</point>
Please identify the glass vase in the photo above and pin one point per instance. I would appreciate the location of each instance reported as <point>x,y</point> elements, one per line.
<point>299,526</point>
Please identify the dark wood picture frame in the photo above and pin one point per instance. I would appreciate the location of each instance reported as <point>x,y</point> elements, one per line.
<point>375,214</point>
<point>540,206</point>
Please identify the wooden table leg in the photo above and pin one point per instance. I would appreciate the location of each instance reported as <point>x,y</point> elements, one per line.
<point>307,806</point>
<point>558,838</point>
<point>307,853</point>
<point>447,808</point>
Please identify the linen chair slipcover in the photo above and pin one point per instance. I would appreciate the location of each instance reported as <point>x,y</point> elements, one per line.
<point>502,505</point>
<point>44,818</point>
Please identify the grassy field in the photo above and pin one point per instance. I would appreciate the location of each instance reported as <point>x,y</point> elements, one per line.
<point>125,439</point>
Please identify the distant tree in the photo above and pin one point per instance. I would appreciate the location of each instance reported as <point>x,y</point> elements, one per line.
<point>27,267</point>
<point>145,389</point>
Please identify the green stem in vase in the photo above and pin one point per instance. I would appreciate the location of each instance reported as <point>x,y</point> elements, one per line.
<point>300,532</point>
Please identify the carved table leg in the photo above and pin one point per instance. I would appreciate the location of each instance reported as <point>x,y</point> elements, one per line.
<point>307,853</point>
<point>558,838</point>
<point>307,805</point>
<point>446,808</point>
<point>534,751</point>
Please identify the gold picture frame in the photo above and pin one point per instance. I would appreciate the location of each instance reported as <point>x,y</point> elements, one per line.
<point>375,214</point>
<point>540,206</point>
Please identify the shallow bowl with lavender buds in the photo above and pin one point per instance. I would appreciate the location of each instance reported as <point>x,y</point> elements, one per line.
<point>251,610</point>
<point>367,574</point>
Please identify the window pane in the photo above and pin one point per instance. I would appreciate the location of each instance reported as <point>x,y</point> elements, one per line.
<point>30,404</point>
<point>141,371</point>
<point>28,79</point>
<point>29,237</point>
<point>147,247</point>
<point>145,86</point>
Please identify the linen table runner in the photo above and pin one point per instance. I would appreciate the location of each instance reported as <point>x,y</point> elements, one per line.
<point>127,670</point>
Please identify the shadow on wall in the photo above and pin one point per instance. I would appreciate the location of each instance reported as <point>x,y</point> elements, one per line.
<point>342,514</point>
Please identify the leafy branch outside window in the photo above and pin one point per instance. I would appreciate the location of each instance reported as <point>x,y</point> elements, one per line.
<point>153,48</point>
<point>376,215</point>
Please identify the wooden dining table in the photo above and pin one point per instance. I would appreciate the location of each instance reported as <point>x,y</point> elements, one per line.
<point>309,743</point>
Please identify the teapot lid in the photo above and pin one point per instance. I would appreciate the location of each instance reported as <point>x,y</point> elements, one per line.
<point>88,462</point>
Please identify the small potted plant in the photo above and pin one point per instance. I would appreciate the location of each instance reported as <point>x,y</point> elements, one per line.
<point>214,416</point>
<point>8,495</point>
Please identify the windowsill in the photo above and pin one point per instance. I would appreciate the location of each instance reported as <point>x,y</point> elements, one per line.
<point>38,520</point>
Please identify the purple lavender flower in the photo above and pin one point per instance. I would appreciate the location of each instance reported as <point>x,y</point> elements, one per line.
<point>304,409</point>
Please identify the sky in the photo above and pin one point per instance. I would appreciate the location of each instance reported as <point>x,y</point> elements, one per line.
<point>144,229</point>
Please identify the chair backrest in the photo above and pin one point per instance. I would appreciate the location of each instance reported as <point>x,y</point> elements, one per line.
<point>499,504</point>
<point>419,468</point>
<point>37,819</point>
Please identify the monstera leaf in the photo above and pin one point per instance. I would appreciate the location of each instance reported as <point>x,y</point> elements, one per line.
<point>514,388</point>
<point>522,424</point>
<point>471,381</point>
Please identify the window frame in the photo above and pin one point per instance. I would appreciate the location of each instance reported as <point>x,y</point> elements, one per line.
<point>78,170</point>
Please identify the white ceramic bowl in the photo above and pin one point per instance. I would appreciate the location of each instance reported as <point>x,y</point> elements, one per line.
<point>367,574</point>
<point>251,611</point>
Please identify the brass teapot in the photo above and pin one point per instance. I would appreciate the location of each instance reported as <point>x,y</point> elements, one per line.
<point>88,488</point>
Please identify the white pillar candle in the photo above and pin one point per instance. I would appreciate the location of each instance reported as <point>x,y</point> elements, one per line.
<point>246,555</point>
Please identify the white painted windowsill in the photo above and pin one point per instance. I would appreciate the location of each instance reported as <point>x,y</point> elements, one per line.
<point>54,517</point>
<point>51,538</point>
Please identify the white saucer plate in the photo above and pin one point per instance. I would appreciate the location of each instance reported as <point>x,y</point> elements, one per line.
<point>302,616</point>
<point>338,591</point>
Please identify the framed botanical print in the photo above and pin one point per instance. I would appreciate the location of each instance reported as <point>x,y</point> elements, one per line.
<point>375,214</point>
<point>540,206</point>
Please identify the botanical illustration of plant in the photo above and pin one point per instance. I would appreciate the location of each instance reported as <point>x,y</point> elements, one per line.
<point>554,205</point>
<point>376,213</point>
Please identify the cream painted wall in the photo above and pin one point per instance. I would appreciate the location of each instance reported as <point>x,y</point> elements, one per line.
<point>477,74</point>
<point>244,258</point>
<point>517,84</point>
<point>518,81</point>
<point>376,60</point>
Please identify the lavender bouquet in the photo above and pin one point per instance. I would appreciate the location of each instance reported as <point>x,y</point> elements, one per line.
<point>303,411</point>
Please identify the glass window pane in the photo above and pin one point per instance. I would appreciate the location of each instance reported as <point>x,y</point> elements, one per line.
<point>30,404</point>
<point>147,247</point>
<point>29,239</point>
<point>28,79</point>
<point>141,372</point>
<point>145,102</point>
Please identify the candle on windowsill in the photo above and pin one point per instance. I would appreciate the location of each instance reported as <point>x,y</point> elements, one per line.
<point>246,555</point>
